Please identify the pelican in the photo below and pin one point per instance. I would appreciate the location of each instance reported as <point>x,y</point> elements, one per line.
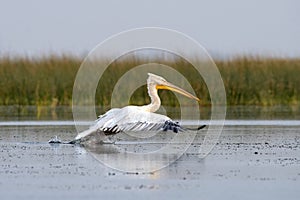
<point>138,118</point>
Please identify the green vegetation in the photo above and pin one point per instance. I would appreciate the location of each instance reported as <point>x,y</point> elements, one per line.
<point>48,81</point>
<point>259,81</point>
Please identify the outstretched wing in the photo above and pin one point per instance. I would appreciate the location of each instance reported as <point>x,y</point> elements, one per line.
<point>130,118</point>
<point>141,126</point>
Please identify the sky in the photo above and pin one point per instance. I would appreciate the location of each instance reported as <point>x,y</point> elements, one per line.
<point>224,28</point>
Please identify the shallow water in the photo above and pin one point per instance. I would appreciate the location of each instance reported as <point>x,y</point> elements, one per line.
<point>252,160</point>
<point>257,157</point>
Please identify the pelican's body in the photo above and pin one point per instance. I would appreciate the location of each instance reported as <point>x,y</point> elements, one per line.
<point>138,118</point>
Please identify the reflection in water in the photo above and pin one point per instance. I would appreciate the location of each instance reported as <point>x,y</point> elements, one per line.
<point>141,156</point>
<point>111,156</point>
<point>101,148</point>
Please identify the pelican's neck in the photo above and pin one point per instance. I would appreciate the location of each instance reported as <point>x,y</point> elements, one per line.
<point>155,100</point>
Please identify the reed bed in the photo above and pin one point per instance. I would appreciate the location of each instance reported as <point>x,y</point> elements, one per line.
<point>48,81</point>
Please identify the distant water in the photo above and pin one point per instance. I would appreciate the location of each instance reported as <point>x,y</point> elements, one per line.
<point>184,123</point>
<point>64,113</point>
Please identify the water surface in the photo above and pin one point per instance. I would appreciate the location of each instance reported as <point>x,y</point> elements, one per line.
<point>255,158</point>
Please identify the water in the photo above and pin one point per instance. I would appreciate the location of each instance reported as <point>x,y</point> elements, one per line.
<point>23,113</point>
<point>255,158</point>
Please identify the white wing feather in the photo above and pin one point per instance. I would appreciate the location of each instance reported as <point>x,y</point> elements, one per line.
<point>129,118</point>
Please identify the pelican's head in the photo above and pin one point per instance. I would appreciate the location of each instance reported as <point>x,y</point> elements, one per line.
<point>161,83</point>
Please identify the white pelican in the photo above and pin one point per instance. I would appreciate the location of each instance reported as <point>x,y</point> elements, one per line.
<point>138,118</point>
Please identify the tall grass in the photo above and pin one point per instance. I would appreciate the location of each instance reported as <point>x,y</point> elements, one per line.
<point>248,81</point>
<point>42,81</point>
<point>261,81</point>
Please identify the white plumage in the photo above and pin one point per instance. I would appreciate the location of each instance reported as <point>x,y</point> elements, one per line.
<point>138,118</point>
